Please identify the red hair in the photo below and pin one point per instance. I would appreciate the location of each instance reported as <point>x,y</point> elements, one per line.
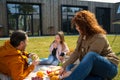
<point>87,23</point>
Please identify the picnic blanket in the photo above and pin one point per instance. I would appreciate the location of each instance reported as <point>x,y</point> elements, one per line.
<point>4,77</point>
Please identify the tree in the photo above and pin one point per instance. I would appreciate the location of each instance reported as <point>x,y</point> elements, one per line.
<point>26,9</point>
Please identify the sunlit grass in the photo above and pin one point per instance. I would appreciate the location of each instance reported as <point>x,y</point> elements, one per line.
<point>40,45</point>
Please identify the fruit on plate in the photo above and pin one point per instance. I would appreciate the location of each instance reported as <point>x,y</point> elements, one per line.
<point>48,71</point>
<point>40,74</point>
<point>55,77</point>
<point>56,72</point>
<point>51,74</point>
<point>36,78</point>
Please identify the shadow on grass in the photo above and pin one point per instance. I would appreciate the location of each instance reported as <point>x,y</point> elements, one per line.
<point>118,54</point>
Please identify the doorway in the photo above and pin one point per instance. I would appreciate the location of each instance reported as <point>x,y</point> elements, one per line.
<point>103,17</point>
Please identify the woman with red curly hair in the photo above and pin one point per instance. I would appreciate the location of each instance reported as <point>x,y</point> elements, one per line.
<point>97,60</point>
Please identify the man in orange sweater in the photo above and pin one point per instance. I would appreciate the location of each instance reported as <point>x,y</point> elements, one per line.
<point>13,58</point>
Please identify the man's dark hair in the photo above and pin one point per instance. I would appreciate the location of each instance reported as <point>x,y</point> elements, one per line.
<point>16,37</point>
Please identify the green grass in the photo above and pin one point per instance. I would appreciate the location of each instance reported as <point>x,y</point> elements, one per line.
<point>41,45</point>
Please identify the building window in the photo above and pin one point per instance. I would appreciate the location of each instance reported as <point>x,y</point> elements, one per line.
<point>24,17</point>
<point>118,10</point>
<point>67,14</point>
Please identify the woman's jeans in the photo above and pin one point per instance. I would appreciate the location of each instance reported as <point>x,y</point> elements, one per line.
<point>93,67</point>
<point>51,60</point>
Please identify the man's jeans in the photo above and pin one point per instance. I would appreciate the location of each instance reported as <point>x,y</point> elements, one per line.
<point>93,67</point>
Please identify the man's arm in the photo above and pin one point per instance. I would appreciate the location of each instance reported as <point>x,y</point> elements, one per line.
<point>18,72</point>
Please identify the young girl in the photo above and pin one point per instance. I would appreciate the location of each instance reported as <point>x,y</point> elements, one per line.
<point>58,49</point>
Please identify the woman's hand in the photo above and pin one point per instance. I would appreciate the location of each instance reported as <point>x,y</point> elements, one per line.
<point>62,70</point>
<point>66,74</point>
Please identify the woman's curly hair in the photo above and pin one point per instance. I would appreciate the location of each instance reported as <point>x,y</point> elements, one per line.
<point>87,23</point>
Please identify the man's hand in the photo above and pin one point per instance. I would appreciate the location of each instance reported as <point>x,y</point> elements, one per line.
<point>33,56</point>
<point>35,62</point>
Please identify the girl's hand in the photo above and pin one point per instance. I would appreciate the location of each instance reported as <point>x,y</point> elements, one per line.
<point>61,58</point>
<point>55,45</point>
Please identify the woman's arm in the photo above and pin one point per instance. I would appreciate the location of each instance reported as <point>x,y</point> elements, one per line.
<point>73,57</point>
<point>98,44</point>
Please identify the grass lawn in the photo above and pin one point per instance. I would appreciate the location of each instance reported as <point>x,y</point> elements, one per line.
<point>40,45</point>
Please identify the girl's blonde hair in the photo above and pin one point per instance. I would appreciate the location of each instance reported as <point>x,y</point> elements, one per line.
<point>61,35</point>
